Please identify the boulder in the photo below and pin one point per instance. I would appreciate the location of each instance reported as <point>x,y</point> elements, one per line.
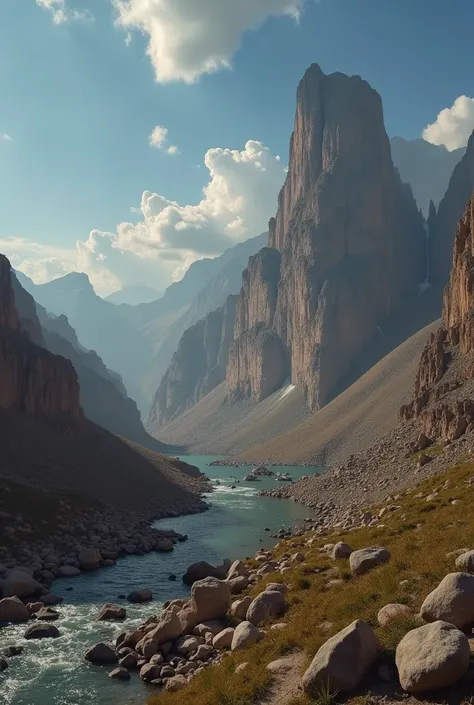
<point>238,569</point>
<point>47,614</point>
<point>50,600</point>
<point>129,661</point>
<point>150,672</point>
<point>297,557</point>
<point>279,587</point>
<point>245,634</point>
<point>281,665</point>
<point>168,629</point>
<point>223,640</point>
<point>173,685</point>
<point>3,664</point>
<point>238,609</point>
<point>452,601</point>
<point>242,667</point>
<point>433,656</point>
<point>367,558</point>
<point>187,645</point>
<point>268,605</point>
<point>211,598</point>
<point>109,611</point>
<point>164,545</point>
<point>341,550</point>
<point>203,653</point>
<point>392,613</point>
<point>101,654</point>
<point>18,583</point>
<point>129,639</point>
<point>343,661</point>
<point>12,651</point>
<point>138,596</point>
<point>90,559</point>
<point>13,610</point>
<point>238,584</point>
<point>202,570</point>
<point>208,627</point>
<point>120,674</point>
<point>188,617</point>
<point>42,631</point>
<point>69,571</point>
<point>465,562</point>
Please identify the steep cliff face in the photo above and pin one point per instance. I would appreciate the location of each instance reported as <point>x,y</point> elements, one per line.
<point>442,397</point>
<point>451,208</point>
<point>32,380</point>
<point>198,365</point>
<point>349,236</point>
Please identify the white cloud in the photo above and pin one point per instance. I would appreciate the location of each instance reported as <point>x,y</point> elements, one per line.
<point>159,139</point>
<point>5,138</point>
<point>61,13</point>
<point>237,202</point>
<point>453,126</point>
<point>189,38</point>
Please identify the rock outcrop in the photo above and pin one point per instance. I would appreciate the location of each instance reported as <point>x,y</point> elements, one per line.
<point>32,380</point>
<point>350,239</point>
<point>447,363</point>
<point>451,208</point>
<point>198,365</point>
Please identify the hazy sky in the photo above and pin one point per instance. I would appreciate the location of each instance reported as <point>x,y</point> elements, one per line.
<point>114,116</point>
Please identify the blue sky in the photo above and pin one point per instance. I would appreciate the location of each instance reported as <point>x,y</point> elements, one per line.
<point>80,98</point>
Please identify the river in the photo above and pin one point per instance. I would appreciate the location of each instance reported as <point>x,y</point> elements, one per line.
<point>53,671</point>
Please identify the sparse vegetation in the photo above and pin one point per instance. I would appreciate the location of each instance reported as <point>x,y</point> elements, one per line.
<point>419,542</point>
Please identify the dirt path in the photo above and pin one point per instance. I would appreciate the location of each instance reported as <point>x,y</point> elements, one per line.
<point>286,682</point>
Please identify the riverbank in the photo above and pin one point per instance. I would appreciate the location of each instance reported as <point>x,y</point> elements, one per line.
<point>233,525</point>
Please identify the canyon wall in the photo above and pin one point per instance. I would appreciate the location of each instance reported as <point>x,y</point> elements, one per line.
<point>350,241</point>
<point>32,380</point>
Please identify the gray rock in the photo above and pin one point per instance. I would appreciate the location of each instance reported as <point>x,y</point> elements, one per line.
<point>42,631</point>
<point>268,605</point>
<point>139,596</point>
<point>238,609</point>
<point>341,550</point>
<point>452,601</point>
<point>223,640</point>
<point>101,654</point>
<point>465,562</point>
<point>343,661</point>
<point>13,610</point>
<point>368,558</point>
<point>18,583</point>
<point>245,634</point>
<point>434,656</point>
<point>109,611</point>
<point>120,674</point>
<point>211,598</point>
<point>392,613</point>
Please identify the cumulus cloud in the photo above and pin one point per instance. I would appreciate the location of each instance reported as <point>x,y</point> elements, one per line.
<point>187,38</point>
<point>159,140</point>
<point>5,138</point>
<point>453,126</point>
<point>62,13</point>
<point>240,197</point>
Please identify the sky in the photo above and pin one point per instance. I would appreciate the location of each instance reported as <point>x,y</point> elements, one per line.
<point>139,135</point>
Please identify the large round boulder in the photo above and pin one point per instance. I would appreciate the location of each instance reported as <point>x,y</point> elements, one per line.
<point>13,610</point>
<point>139,596</point>
<point>210,598</point>
<point>223,640</point>
<point>368,558</point>
<point>343,661</point>
<point>168,628</point>
<point>245,634</point>
<point>42,631</point>
<point>108,612</point>
<point>392,613</point>
<point>238,569</point>
<point>341,550</point>
<point>89,559</point>
<point>18,583</point>
<point>465,562</point>
<point>452,601</point>
<point>101,654</point>
<point>238,609</point>
<point>201,570</point>
<point>268,605</point>
<point>433,656</point>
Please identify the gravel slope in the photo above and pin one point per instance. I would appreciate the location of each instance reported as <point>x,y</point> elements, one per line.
<point>357,417</point>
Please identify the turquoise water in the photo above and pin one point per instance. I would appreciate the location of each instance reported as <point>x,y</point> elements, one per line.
<point>53,671</point>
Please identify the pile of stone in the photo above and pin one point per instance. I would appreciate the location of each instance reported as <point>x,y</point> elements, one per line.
<point>190,635</point>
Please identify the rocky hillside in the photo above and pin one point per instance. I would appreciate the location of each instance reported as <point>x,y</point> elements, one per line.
<point>443,227</point>
<point>426,167</point>
<point>443,395</point>
<point>32,380</point>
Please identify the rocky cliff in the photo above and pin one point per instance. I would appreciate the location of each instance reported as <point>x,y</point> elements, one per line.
<point>349,239</point>
<point>198,365</point>
<point>32,380</point>
<point>443,226</point>
<point>443,396</point>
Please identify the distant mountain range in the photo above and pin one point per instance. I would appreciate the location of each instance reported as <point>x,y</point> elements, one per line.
<point>426,167</point>
<point>138,341</point>
<point>134,295</point>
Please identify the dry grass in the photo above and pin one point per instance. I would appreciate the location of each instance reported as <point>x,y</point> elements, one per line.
<point>418,533</point>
